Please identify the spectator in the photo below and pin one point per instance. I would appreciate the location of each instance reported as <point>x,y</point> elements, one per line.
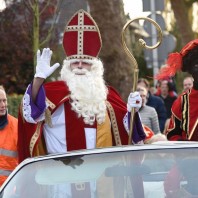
<point>187,83</point>
<point>80,111</point>
<point>8,139</point>
<point>148,114</point>
<point>183,123</point>
<point>152,90</point>
<point>172,88</point>
<point>168,99</point>
<point>156,102</point>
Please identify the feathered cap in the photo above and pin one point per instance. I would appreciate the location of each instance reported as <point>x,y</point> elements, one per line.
<point>175,62</point>
<point>82,38</point>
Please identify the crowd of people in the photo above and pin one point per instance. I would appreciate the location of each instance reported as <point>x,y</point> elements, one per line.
<point>101,117</point>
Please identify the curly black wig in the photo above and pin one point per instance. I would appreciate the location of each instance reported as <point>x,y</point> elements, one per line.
<point>190,57</point>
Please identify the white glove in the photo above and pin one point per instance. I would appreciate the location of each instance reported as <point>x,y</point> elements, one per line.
<point>43,69</point>
<point>134,101</point>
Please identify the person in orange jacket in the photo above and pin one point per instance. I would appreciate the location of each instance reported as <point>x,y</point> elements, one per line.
<point>8,139</point>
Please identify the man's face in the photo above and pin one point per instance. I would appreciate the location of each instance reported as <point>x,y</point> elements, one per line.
<point>142,84</point>
<point>187,84</point>
<point>143,93</point>
<point>164,87</point>
<point>80,67</point>
<point>3,103</point>
<point>144,97</point>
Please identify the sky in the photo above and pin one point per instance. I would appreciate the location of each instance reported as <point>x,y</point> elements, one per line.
<point>133,7</point>
<point>2,4</point>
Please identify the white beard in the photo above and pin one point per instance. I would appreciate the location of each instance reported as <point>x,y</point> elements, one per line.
<point>88,91</point>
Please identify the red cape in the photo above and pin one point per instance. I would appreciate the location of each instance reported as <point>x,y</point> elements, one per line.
<point>56,92</point>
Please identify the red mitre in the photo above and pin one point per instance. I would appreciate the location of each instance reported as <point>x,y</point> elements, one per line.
<point>82,38</point>
<point>174,61</point>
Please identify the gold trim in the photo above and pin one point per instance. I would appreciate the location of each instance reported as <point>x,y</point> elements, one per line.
<point>83,56</point>
<point>176,116</point>
<point>65,98</point>
<point>193,129</point>
<point>184,113</point>
<point>35,138</point>
<point>90,28</point>
<point>21,111</point>
<point>82,12</point>
<point>51,104</point>
<point>48,118</point>
<point>188,123</point>
<point>114,124</point>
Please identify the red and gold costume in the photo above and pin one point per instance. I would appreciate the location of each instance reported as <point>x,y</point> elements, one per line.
<point>81,40</point>
<point>184,120</point>
<point>31,140</point>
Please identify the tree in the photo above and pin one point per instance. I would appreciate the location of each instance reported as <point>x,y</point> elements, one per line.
<point>17,36</point>
<point>47,11</point>
<point>183,14</point>
<point>15,50</point>
<point>182,29</point>
<point>109,15</point>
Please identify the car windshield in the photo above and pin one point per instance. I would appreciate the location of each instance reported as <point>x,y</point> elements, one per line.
<point>137,173</point>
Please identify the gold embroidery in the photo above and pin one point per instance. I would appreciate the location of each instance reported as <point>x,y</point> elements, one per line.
<point>48,111</point>
<point>50,103</point>
<point>185,114</point>
<point>35,138</point>
<point>64,98</point>
<point>114,124</point>
<point>193,129</point>
<point>80,29</point>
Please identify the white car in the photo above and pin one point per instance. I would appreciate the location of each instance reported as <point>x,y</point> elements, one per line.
<point>138,171</point>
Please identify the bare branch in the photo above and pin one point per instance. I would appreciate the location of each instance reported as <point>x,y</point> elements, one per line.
<point>57,11</point>
<point>30,4</point>
<point>47,4</point>
<point>29,8</point>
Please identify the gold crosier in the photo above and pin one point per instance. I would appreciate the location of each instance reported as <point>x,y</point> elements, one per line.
<point>134,62</point>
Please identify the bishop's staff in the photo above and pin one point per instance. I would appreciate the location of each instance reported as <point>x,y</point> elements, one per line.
<point>134,62</point>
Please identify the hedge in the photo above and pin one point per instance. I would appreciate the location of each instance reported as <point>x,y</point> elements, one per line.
<point>13,104</point>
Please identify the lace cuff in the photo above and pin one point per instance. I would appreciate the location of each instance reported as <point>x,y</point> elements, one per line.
<point>138,133</point>
<point>34,113</point>
<point>126,122</point>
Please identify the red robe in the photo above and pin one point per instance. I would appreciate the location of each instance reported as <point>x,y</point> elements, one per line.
<point>184,120</point>
<point>30,135</point>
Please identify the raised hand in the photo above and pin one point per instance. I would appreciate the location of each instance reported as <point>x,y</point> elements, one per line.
<point>43,68</point>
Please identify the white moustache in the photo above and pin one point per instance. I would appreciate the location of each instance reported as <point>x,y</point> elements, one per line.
<point>80,71</point>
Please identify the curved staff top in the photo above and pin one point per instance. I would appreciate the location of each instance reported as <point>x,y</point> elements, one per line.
<point>134,62</point>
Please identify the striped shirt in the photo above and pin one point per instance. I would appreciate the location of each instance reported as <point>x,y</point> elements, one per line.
<point>149,118</point>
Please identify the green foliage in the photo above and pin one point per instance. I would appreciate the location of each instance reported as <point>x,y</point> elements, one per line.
<point>16,51</point>
<point>13,104</point>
